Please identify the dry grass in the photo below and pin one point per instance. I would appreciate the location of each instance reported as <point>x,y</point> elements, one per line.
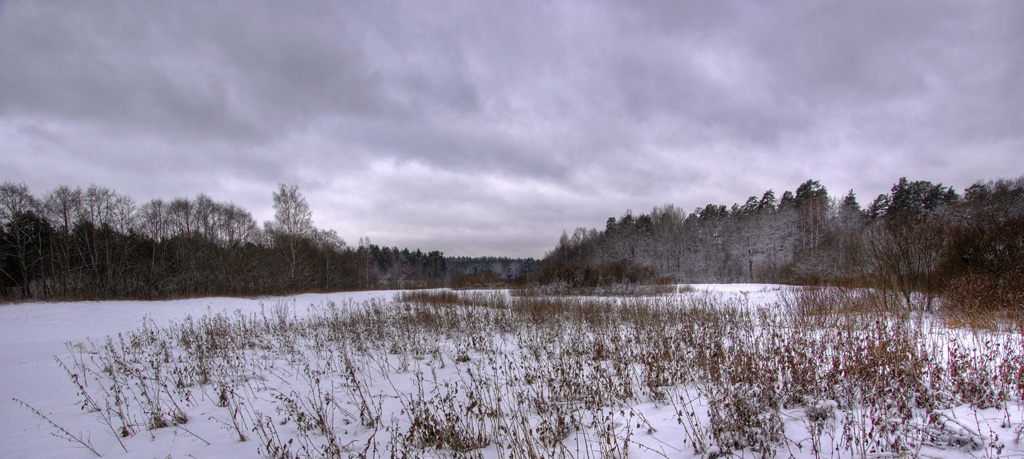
<point>557,376</point>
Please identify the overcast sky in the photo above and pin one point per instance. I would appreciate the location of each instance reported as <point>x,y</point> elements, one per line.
<point>488,128</point>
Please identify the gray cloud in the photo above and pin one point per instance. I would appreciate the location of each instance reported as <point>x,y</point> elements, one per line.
<point>489,127</point>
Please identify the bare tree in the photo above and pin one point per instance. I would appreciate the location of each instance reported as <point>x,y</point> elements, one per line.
<point>61,208</point>
<point>153,220</point>
<point>180,216</point>
<point>14,200</point>
<point>291,212</point>
<point>291,227</point>
<point>23,236</point>
<point>238,226</point>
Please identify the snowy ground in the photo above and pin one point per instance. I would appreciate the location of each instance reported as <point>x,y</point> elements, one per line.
<point>32,335</point>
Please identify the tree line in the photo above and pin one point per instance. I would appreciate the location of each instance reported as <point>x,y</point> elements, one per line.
<point>98,244</point>
<point>392,268</point>
<point>919,237</point>
<point>488,272</point>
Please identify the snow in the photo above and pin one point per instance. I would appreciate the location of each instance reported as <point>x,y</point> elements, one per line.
<point>33,334</point>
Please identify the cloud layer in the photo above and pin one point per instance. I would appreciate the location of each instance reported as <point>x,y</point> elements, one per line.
<point>486,128</point>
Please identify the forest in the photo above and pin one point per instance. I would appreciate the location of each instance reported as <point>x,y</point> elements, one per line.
<point>919,237</point>
<point>488,272</point>
<point>75,244</point>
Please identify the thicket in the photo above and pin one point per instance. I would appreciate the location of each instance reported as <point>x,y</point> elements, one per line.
<point>919,237</point>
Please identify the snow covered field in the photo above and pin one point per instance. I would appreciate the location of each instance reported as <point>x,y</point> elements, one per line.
<point>486,374</point>
<point>32,334</point>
